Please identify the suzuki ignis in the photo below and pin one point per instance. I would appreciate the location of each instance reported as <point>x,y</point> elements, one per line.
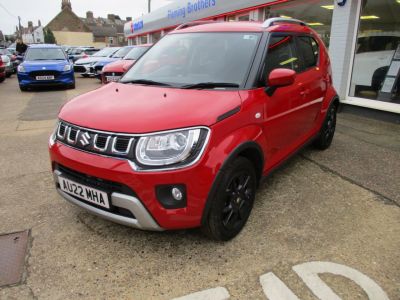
<point>183,139</point>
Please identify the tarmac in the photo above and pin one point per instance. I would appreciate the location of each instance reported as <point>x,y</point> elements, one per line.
<point>339,207</point>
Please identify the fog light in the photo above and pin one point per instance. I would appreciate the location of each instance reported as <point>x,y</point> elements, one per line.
<point>177,194</point>
<point>172,196</point>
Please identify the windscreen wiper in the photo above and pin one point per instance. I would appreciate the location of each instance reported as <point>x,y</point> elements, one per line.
<point>210,85</point>
<point>146,82</point>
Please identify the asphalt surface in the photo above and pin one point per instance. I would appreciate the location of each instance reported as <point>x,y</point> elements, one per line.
<point>340,206</point>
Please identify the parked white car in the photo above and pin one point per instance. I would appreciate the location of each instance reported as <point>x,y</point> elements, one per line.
<point>374,51</point>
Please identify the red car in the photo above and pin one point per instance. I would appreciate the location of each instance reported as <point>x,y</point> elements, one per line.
<point>184,138</point>
<point>114,71</point>
<point>3,73</point>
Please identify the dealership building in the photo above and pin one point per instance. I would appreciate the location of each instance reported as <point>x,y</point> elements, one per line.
<point>363,37</point>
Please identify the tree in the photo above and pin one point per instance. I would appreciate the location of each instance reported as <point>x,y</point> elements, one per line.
<point>49,37</point>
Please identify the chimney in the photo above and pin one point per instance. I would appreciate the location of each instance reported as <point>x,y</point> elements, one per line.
<point>30,24</point>
<point>128,19</point>
<point>89,15</point>
<point>66,4</point>
<point>40,24</point>
<point>111,17</point>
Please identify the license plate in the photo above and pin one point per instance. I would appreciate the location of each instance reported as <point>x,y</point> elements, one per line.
<point>84,192</point>
<point>50,77</point>
<point>112,78</point>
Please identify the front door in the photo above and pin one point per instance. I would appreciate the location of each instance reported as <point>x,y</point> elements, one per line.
<point>280,131</point>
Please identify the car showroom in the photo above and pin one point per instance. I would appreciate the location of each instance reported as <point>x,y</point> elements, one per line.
<point>367,76</point>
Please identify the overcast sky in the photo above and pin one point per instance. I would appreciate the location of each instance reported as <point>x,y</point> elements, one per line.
<point>46,10</point>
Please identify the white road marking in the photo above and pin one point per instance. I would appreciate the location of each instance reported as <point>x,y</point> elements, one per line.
<point>218,293</point>
<point>275,289</point>
<point>308,272</point>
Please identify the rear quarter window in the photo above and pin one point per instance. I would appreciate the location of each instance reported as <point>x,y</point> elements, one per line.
<point>309,50</point>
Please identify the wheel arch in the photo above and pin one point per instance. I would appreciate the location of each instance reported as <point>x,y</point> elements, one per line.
<point>250,150</point>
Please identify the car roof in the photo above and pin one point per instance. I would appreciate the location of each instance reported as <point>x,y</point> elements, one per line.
<point>240,26</point>
<point>44,46</point>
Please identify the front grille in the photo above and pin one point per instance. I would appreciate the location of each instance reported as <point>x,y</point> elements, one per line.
<point>98,68</point>
<point>33,74</point>
<point>110,144</point>
<point>79,69</point>
<point>113,74</point>
<point>101,184</point>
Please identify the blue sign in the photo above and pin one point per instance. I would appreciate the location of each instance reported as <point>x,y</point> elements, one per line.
<point>190,8</point>
<point>137,26</point>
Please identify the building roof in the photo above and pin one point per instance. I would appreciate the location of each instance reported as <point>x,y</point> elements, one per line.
<point>67,20</point>
<point>103,31</point>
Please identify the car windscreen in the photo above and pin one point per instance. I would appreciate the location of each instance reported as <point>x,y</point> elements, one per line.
<point>44,54</point>
<point>91,51</point>
<point>122,52</point>
<point>136,52</point>
<point>190,59</point>
<point>105,52</point>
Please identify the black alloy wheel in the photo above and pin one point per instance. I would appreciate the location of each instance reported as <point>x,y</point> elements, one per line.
<point>232,201</point>
<point>327,132</point>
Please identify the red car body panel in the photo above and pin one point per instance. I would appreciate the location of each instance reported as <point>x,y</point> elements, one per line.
<point>97,109</point>
<point>278,124</point>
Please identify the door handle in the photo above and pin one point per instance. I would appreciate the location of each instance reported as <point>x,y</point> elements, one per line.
<point>305,92</point>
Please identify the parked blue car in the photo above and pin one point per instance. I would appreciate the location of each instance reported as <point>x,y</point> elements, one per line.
<point>45,65</point>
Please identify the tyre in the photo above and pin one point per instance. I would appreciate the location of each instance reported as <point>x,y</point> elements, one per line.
<point>327,131</point>
<point>85,75</point>
<point>2,79</point>
<point>72,86</point>
<point>23,88</point>
<point>8,75</point>
<point>232,202</point>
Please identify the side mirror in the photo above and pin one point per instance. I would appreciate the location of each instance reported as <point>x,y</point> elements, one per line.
<point>279,78</point>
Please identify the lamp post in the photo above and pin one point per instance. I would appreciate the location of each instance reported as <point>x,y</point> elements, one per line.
<point>149,5</point>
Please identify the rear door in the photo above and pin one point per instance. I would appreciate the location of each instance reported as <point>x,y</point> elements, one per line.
<point>312,86</point>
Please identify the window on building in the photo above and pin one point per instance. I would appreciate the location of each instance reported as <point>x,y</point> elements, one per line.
<point>155,37</point>
<point>317,13</point>
<point>143,39</point>
<point>231,18</point>
<point>244,18</point>
<point>376,70</point>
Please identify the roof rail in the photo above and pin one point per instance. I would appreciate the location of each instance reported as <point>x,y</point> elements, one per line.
<point>194,23</point>
<point>270,22</point>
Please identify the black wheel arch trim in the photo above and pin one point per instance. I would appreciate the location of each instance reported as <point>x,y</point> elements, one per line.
<point>249,145</point>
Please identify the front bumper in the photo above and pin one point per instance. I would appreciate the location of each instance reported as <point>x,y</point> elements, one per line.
<point>88,70</point>
<point>143,220</point>
<point>65,78</point>
<point>197,179</point>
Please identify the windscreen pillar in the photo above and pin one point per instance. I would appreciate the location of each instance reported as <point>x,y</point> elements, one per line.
<point>345,22</point>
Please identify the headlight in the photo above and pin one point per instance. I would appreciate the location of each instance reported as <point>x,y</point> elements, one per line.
<point>53,136</point>
<point>21,68</point>
<point>170,148</point>
<point>67,68</point>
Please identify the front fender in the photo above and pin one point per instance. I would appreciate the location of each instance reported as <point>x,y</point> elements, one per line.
<point>249,138</point>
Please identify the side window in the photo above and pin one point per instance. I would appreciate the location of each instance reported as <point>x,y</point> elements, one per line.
<point>281,54</point>
<point>309,49</point>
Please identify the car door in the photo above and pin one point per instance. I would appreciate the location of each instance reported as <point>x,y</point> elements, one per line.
<point>312,85</point>
<point>278,122</point>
